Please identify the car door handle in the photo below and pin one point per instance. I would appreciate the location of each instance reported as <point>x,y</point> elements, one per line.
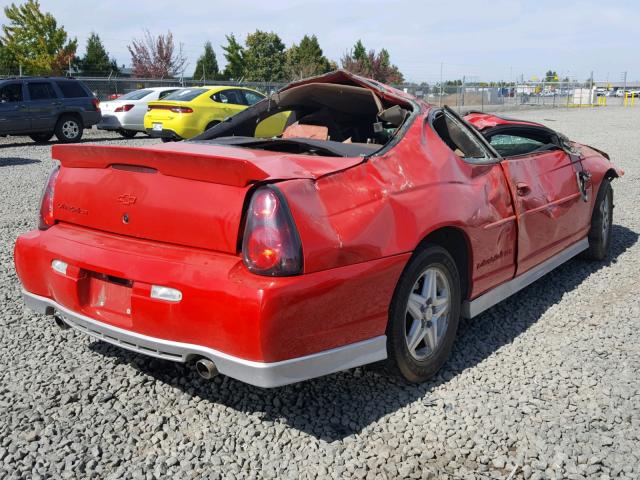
<point>522,189</point>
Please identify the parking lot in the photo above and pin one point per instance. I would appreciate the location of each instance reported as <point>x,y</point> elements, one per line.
<point>544,385</point>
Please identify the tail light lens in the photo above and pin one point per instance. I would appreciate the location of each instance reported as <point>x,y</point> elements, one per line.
<point>124,108</point>
<point>96,103</point>
<point>173,108</point>
<point>271,244</point>
<point>181,109</point>
<point>46,220</point>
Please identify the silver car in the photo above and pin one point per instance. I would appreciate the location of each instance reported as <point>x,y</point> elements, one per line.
<point>125,114</point>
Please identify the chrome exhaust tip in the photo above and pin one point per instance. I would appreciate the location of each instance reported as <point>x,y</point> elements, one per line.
<point>206,368</point>
<point>62,325</point>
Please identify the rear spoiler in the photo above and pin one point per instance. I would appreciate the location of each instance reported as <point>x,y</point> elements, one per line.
<point>185,163</point>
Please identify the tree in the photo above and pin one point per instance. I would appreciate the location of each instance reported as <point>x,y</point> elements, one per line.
<point>377,66</point>
<point>8,65</point>
<point>264,57</point>
<point>360,53</point>
<point>551,76</point>
<point>207,65</point>
<point>96,60</point>
<point>156,57</point>
<point>234,54</point>
<point>33,39</point>
<point>306,59</point>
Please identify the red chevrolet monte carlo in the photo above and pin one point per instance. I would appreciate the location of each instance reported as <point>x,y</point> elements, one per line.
<point>361,233</point>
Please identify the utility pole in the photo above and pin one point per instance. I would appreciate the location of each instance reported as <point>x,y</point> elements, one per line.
<point>624,89</point>
<point>441,67</point>
<point>20,70</point>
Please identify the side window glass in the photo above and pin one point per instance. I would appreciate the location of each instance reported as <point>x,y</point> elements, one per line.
<point>71,89</point>
<point>11,93</point>
<point>220,97</point>
<point>458,138</point>
<point>512,145</point>
<point>233,97</point>
<point>41,91</point>
<point>252,97</point>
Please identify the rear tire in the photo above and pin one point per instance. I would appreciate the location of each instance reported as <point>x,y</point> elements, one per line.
<point>424,315</point>
<point>127,133</point>
<point>41,137</point>
<point>601,222</point>
<point>69,129</point>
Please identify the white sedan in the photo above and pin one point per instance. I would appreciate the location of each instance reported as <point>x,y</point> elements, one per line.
<point>125,114</point>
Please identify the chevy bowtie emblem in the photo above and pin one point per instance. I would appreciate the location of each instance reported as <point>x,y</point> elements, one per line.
<point>127,199</point>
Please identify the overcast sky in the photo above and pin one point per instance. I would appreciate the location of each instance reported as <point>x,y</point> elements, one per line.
<point>484,40</point>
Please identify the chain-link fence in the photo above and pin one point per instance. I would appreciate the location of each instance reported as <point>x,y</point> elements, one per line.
<point>456,94</point>
<point>482,96</point>
<point>107,88</point>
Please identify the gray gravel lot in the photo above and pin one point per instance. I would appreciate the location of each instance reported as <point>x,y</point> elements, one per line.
<point>546,382</point>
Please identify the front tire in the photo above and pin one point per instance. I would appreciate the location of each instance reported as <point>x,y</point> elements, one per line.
<point>69,129</point>
<point>601,223</point>
<point>424,315</point>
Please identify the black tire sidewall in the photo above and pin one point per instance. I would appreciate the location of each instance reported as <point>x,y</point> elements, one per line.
<point>399,357</point>
<point>599,244</point>
<point>128,133</point>
<point>59,133</point>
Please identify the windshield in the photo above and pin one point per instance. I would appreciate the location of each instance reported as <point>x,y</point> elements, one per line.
<point>185,94</point>
<point>135,95</point>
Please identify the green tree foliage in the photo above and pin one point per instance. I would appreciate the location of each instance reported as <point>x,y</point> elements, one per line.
<point>360,54</point>
<point>8,65</point>
<point>234,55</point>
<point>371,64</point>
<point>96,60</point>
<point>264,57</point>
<point>207,65</point>
<point>306,59</point>
<point>551,76</point>
<point>34,40</point>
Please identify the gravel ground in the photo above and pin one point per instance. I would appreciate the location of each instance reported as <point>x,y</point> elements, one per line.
<point>545,383</point>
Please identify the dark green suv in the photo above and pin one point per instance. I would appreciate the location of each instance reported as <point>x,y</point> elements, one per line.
<point>43,106</point>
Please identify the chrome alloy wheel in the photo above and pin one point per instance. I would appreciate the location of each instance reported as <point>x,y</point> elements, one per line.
<point>604,212</point>
<point>427,313</point>
<point>70,129</point>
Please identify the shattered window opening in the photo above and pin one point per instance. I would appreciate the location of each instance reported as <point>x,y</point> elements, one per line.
<point>319,118</point>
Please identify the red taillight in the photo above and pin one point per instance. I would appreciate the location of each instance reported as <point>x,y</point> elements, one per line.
<point>124,108</point>
<point>271,245</point>
<point>181,109</point>
<point>173,108</point>
<point>96,103</point>
<point>46,219</point>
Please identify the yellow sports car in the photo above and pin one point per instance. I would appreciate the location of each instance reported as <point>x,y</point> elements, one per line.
<point>188,112</point>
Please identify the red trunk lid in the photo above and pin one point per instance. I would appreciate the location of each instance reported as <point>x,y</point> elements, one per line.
<point>185,193</point>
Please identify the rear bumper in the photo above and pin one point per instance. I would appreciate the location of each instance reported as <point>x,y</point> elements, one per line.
<point>165,133</point>
<point>260,374</point>
<point>109,122</point>
<point>91,118</point>
<point>225,311</point>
